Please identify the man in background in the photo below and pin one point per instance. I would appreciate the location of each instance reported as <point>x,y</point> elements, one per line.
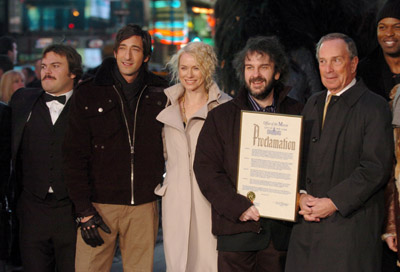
<point>31,81</point>
<point>5,64</point>
<point>8,46</point>
<point>381,70</point>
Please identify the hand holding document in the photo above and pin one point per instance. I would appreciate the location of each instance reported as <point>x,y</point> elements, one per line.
<point>269,159</point>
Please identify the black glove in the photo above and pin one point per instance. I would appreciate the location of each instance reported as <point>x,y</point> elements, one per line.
<point>89,231</point>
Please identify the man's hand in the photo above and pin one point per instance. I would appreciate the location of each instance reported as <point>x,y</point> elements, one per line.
<point>322,207</point>
<point>313,208</point>
<point>391,241</point>
<point>250,214</point>
<point>305,207</point>
<point>89,231</point>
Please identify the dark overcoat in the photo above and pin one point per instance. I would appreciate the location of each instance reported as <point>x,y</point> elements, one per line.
<point>5,159</point>
<point>349,161</point>
<point>216,164</point>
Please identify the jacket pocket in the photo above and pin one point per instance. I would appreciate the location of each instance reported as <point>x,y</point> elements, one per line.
<point>104,118</point>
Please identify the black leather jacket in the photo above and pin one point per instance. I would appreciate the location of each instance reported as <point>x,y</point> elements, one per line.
<point>114,155</point>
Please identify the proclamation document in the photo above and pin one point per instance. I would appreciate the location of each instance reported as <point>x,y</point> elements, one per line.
<point>269,161</point>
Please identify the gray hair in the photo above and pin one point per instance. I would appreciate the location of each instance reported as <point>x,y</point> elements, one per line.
<point>351,45</point>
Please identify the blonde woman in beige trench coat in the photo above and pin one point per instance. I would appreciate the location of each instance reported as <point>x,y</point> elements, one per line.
<point>189,245</point>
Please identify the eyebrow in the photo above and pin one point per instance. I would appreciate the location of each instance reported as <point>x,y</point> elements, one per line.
<point>134,46</point>
<point>262,64</point>
<point>56,62</point>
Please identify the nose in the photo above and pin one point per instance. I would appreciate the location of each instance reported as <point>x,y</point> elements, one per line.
<point>328,67</point>
<point>128,54</point>
<point>45,71</point>
<point>255,73</point>
<point>389,31</point>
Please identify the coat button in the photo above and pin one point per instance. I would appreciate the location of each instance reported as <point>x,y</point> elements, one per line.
<point>100,109</point>
<point>308,180</point>
<point>314,139</point>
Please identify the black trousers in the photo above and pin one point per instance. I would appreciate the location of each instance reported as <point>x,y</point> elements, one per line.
<point>266,260</point>
<point>47,233</point>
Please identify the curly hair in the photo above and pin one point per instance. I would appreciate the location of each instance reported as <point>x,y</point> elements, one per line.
<point>204,55</point>
<point>263,45</point>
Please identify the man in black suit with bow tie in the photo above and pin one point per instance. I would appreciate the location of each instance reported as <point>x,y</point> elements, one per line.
<point>39,118</point>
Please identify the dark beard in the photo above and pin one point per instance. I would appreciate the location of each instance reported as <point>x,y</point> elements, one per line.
<point>265,92</point>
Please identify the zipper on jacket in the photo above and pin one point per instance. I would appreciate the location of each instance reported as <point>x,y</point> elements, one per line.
<point>131,140</point>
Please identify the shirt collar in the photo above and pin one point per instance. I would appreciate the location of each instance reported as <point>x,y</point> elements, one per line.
<point>67,95</point>
<point>257,107</point>
<point>351,84</point>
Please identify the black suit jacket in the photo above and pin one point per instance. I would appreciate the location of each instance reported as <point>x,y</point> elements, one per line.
<point>21,104</point>
<point>5,146</point>
<point>5,156</point>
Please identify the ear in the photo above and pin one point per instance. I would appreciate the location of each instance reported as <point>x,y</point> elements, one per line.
<point>115,54</point>
<point>354,63</point>
<point>146,59</point>
<point>72,76</point>
<point>277,75</point>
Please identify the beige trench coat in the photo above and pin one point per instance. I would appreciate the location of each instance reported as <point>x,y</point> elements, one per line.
<point>189,244</point>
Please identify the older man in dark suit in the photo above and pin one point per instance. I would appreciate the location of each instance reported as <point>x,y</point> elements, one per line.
<point>348,146</point>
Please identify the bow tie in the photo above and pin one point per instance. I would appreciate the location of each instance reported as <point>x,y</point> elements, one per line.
<point>62,98</point>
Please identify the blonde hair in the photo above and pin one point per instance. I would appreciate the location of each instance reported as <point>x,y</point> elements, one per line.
<point>204,55</point>
<point>6,82</point>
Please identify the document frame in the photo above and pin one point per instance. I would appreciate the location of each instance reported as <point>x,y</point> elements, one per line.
<point>269,162</point>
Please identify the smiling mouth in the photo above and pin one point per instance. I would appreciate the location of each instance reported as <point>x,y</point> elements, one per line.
<point>330,78</point>
<point>390,43</point>
<point>257,81</point>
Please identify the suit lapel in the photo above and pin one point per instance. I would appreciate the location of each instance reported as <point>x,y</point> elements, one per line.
<point>21,112</point>
<point>337,116</point>
<point>320,104</point>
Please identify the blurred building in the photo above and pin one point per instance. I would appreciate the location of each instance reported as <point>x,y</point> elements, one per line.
<point>90,25</point>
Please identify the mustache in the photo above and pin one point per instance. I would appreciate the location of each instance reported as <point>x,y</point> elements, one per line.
<point>259,78</point>
<point>48,77</point>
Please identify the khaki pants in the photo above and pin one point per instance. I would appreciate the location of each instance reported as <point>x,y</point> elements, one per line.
<point>136,229</point>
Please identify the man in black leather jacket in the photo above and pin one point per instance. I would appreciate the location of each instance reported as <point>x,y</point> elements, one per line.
<point>114,157</point>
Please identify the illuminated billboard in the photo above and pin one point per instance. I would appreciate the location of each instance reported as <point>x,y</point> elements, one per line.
<point>169,24</point>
